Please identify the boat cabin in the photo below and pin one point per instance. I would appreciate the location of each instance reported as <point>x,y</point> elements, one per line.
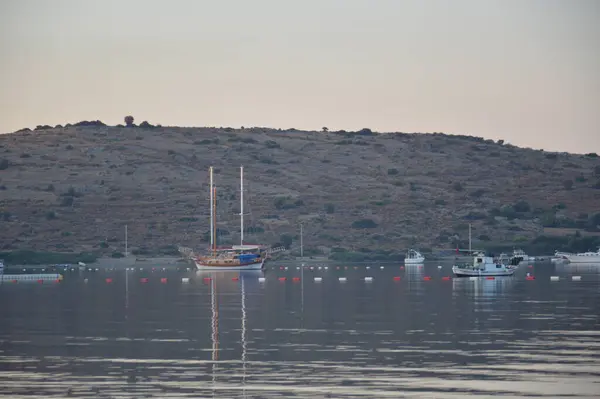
<point>482,262</point>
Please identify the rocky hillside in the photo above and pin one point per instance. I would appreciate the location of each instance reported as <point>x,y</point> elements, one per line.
<point>74,188</point>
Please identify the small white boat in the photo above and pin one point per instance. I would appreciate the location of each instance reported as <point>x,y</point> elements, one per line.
<point>483,266</point>
<point>584,257</point>
<point>519,253</point>
<point>413,257</point>
<point>560,256</point>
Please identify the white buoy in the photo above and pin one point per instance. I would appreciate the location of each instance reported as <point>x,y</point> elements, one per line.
<point>576,278</point>
<point>342,279</point>
<point>368,279</point>
<point>261,279</point>
<point>554,278</point>
<point>185,279</point>
<point>318,279</point>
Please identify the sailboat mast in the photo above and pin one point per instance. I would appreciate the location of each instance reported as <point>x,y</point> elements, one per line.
<point>241,205</point>
<point>469,238</point>
<point>212,238</point>
<point>214,210</point>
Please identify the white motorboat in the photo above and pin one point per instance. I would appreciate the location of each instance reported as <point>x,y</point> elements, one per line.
<point>483,266</point>
<point>584,257</point>
<point>560,256</point>
<point>413,257</point>
<point>519,253</point>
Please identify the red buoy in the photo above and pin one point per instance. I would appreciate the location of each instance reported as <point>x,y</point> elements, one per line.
<point>396,278</point>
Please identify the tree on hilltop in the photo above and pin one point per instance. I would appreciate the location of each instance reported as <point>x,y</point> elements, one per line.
<point>129,120</point>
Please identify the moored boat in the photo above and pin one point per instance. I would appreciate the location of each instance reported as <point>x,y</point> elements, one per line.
<point>584,257</point>
<point>483,266</point>
<point>413,257</point>
<point>236,257</point>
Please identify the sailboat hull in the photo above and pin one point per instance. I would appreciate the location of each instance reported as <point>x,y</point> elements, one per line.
<point>202,265</point>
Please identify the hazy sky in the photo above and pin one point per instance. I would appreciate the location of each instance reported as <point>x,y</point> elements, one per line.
<point>524,71</point>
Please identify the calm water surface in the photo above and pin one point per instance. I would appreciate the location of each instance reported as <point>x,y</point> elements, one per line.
<point>243,338</point>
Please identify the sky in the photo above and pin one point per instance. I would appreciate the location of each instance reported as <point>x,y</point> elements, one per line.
<point>525,71</point>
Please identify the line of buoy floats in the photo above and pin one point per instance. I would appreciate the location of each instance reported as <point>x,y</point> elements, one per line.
<point>56,278</point>
<point>318,279</point>
<point>153,269</point>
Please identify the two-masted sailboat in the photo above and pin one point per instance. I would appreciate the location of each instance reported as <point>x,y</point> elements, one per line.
<point>236,257</point>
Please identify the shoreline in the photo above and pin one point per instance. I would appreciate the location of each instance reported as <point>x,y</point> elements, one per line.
<point>171,262</point>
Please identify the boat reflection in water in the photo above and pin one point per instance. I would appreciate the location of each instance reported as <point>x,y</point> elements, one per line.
<point>225,280</point>
<point>414,272</point>
<point>483,287</point>
<point>483,293</point>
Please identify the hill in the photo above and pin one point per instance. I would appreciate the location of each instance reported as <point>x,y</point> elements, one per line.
<point>74,188</point>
